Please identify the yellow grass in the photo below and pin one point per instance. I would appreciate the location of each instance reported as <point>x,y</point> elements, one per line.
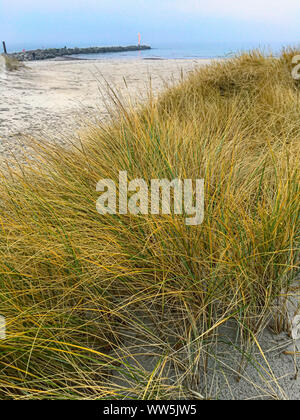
<point>12,64</point>
<point>83,292</point>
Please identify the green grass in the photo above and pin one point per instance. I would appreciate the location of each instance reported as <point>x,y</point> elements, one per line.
<point>84,294</point>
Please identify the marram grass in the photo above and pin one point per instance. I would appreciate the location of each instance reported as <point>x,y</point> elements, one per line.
<point>87,297</point>
<point>11,63</point>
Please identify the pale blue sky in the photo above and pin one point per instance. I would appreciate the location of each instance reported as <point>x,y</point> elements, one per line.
<point>115,22</point>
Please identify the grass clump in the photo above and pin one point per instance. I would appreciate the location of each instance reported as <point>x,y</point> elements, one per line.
<point>86,297</point>
<point>11,63</point>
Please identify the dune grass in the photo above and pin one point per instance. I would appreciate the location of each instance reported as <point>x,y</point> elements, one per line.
<point>11,63</point>
<point>88,297</point>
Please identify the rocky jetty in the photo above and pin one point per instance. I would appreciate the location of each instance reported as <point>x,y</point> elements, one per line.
<point>49,53</point>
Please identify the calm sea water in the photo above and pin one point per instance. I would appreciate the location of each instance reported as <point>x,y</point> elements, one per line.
<point>201,50</point>
<point>175,51</point>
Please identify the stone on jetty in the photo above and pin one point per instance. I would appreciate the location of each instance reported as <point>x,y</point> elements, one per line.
<point>62,52</point>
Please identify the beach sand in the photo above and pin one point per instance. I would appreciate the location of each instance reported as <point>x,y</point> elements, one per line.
<point>53,98</point>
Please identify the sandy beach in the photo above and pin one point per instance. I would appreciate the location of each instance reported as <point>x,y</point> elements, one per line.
<point>51,98</point>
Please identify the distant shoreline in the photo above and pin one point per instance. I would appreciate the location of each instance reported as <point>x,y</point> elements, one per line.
<point>46,54</point>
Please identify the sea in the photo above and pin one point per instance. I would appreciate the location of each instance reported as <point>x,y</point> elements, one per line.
<point>169,51</point>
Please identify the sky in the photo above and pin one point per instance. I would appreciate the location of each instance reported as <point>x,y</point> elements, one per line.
<point>118,22</point>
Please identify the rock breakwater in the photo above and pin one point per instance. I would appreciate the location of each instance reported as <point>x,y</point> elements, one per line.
<point>46,54</point>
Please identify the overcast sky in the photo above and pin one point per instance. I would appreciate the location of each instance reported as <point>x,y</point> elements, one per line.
<point>83,22</point>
